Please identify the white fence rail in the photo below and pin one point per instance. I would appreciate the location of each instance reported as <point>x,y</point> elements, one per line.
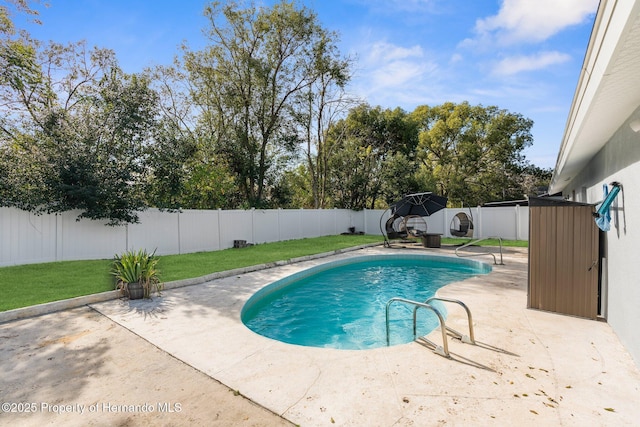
<point>27,238</point>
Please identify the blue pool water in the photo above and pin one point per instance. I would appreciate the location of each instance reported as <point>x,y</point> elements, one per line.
<point>342,304</point>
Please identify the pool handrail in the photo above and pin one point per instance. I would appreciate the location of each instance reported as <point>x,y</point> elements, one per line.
<point>482,253</point>
<point>444,350</point>
<point>471,338</point>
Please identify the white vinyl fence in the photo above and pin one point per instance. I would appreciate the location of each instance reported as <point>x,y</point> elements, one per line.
<point>27,238</point>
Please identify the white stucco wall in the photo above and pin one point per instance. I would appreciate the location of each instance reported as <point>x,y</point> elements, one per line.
<point>619,160</point>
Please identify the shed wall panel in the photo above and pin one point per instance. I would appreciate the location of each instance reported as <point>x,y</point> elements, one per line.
<point>563,259</point>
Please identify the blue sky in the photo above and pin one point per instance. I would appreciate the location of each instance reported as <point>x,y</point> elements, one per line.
<point>521,55</point>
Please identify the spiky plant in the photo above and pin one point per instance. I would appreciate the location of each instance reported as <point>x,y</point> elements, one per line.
<point>137,266</point>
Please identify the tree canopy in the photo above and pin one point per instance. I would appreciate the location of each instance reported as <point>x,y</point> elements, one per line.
<point>260,117</point>
<point>472,152</point>
<point>76,139</point>
<point>247,79</point>
<point>373,156</point>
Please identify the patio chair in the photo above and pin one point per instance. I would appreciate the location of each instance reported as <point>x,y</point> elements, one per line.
<point>461,225</point>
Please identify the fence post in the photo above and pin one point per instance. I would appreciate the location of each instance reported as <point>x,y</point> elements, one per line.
<point>219,231</point>
<point>300,220</point>
<point>179,238</point>
<point>364,220</point>
<point>445,229</point>
<point>253,225</point>
<point>517,222</point>
<point>479,228</point>
<point>57,226</point>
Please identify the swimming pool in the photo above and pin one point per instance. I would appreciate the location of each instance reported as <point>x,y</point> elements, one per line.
<point>341,304</point>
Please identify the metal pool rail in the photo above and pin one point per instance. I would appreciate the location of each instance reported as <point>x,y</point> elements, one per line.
<point>482,253</point>
<point>441,350</point>
<point>444,349</point>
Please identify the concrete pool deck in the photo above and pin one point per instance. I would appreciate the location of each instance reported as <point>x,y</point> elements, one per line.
<point>529,367</point>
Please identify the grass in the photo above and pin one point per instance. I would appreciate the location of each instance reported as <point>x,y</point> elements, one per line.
<point>175,267</point>
<point>31,284</point>
<point>25,285</point>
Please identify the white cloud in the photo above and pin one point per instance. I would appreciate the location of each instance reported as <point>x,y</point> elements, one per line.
<point>456,57</point>
<point>387,52</point>
<point>534,20</point>
<point>391,66</point>
<point>517,64</point>
<point>393,75</point>
<point>393,6</point>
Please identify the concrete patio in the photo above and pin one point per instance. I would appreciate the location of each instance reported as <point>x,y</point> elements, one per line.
<point>529,367</point>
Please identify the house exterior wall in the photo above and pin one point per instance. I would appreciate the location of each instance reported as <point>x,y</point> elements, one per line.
<point>618,160</point>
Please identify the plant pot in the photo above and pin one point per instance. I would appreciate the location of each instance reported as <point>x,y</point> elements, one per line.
<point>136,291</point>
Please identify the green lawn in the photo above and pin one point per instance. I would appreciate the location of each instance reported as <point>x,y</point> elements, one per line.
<point>31,284</point>
<point>175,267</point>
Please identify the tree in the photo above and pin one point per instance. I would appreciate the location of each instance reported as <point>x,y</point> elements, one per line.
<point>534,181</point>
<point>473,153</point>
<point>18,64</point>
<point>7,28</point>
<point>315,111</point>
<point>18,68</point>
<point>184,170</point>
<point>299,185</point>
<point>75,134</point>
<point>369,146</point>
<point>258,60</point>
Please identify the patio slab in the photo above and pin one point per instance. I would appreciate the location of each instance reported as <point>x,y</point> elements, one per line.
<point>79,368</point>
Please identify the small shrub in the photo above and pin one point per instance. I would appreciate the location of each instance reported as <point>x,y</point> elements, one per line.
<point>137,266</point>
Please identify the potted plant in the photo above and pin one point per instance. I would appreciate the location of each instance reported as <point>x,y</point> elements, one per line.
<point>136,273</point>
